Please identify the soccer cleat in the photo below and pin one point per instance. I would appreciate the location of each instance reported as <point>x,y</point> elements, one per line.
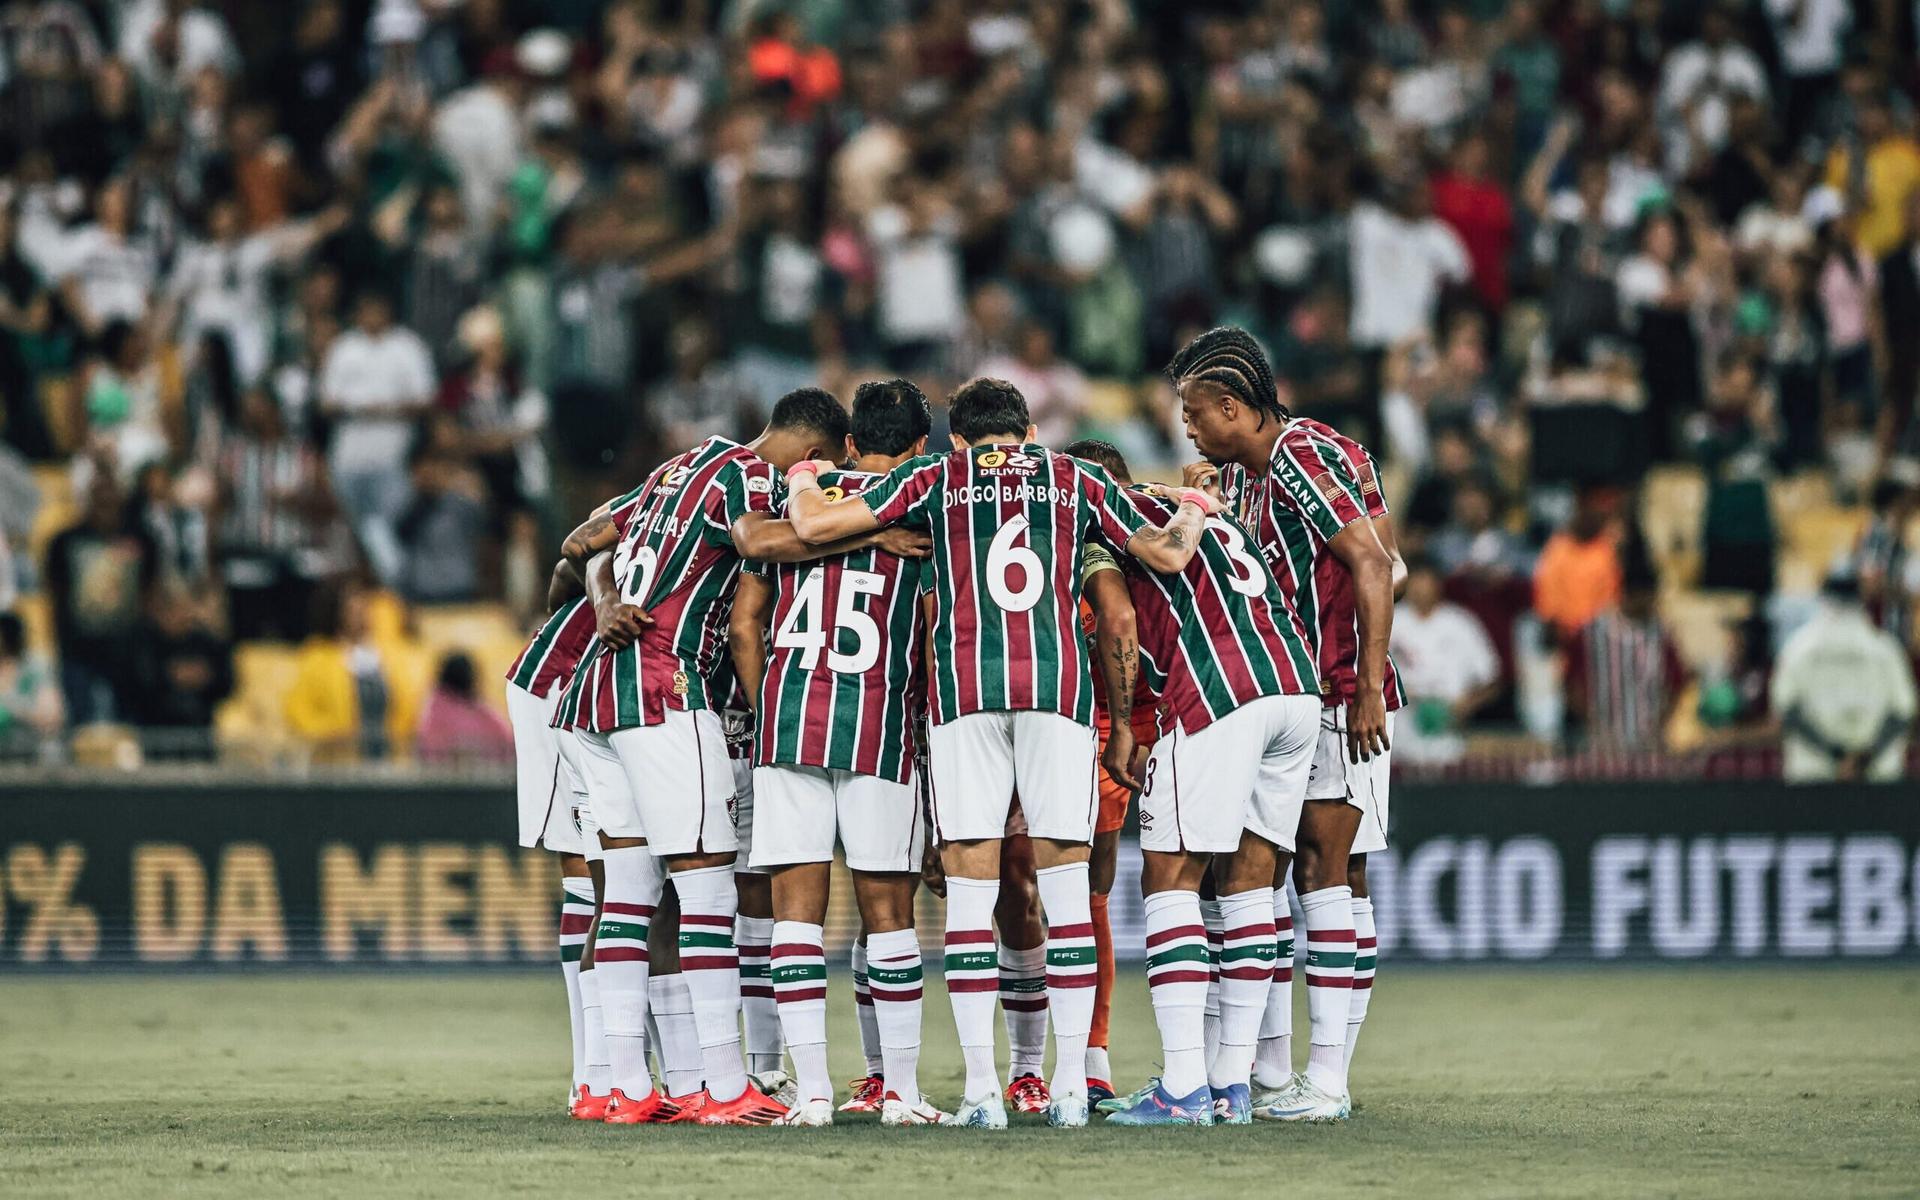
<point>688,1106</point>
<point>1266,1097</point>
<point>1306,1102</point>
<point>1028,1094</point>
<point>751,1107</point>
<point>650,1109</point>
<point>1154,1106</point>
<point>1067,1112</point>
<point>1099,1091</point>
<point>867,1095</point>
<point>895,1112</point>
<point>778,1086</point>
<point>985,1113</point>
<point>810,1113</point>
<point>1232,1105</point>
<point>588,1107</point>
<point>1122,1103</point>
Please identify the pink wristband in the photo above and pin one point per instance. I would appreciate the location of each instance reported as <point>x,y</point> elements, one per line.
<point>805,466</point>
<point>1200,499</point>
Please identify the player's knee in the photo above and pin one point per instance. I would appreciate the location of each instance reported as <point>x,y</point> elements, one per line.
<point>1357,874</point>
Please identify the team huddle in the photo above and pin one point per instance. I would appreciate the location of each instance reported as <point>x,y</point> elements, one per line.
<point>970,662</point>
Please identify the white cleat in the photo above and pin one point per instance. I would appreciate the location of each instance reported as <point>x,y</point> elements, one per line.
<point>811,1114</point>
<point>1266,1097</point>
<point>1306,1102</point>
<point>988,1112</point>
<point>897,1112</point>
<point>780,1086</point>
<point>1067,1112</point>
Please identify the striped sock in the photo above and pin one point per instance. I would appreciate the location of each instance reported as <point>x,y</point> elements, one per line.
<point>1073,968</point>
<point>593,1024</point>
<point>1210,919</point>
<point>1329,914</point>
<point>670,1006</point>
<point>894,973</point>
<point>752,935</point>
<point>1023,1002</point>
<point>1273,1062</point>
<point>1246,971</point>
<point>1177,973</point>
<point>708,905</point>
<point>798,973</point>
<point>1098,1066</point>
<point>973,975</point>
<point>576,918</point>
<point>1366,951</point>
<point>620,960</point>
<point>863,1009</point>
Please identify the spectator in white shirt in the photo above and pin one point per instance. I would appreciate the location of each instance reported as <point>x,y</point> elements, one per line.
<point>917,254</point>
<point>1447,664</point>
<point>1699,79</point>
<point>1812,36</point>
<point>107,274</point>
<point>376,382</point>
<point>1055,389</point>
<point>171,41</point>
<point>1401,257</point>
<point>1843,691</point>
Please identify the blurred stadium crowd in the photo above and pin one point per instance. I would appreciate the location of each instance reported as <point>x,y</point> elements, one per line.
<point>319,319</point>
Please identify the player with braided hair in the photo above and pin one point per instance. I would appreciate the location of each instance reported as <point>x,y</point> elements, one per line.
<point>1297,489</point>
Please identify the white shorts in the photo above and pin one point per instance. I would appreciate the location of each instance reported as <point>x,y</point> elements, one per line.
<point>1245,772</point>
<point>979,760</point>
<point>573,768</point>
<point>1363,785</point>
<point>670,783</point>
<point>801,808</point>
<point>545,798</point>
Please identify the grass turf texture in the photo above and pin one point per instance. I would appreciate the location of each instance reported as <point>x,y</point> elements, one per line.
<point>1524,1083</point>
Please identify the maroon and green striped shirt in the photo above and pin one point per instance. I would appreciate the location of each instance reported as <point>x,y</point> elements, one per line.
<point>844,680</point>
<point>1220,633</point>
<point>1008,523</point>
<point>558,645</point>
<point>676,561</point>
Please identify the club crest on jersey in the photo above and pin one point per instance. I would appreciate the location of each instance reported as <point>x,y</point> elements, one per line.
<point>759,483</point>
<point>670,481</point>
<point>1017,461</point>
<point>680,683</point>
<point>833,493</point>
<point>1327,486</point>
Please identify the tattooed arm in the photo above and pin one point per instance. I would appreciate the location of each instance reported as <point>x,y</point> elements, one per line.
<point>1169,548</point>
<point>596,533</point>
<point>1117,645</point>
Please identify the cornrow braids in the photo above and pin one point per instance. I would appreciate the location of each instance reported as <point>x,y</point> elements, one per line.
<point>1231,358</point>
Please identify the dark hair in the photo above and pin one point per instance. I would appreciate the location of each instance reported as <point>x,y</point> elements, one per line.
<point>983,407</point>
<point>1230,358</point>
<point>13,635</point>
<point>889,416</point>
<point>456,674</point>
<point>1103,454</point>
<point>812,410</point>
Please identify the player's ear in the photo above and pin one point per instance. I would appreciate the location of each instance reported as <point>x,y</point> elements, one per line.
<point>959,443</point>
<point>1033,434</point>
<point>852,451</point>
<point>919,446</point>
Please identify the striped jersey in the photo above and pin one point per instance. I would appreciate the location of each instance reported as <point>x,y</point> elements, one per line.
<point>844,682</point>
<point>1339,613</point>
<point>558,645</point>
<point>676,561</point>
<point>1220,633</point>
<point>1308,495</point>
<point>1008,523</point>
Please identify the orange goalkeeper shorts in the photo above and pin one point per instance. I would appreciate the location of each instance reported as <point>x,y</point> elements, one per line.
<point>1114,796</point>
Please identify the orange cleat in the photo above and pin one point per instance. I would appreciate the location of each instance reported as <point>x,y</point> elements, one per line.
<point>751,1107</point>
<point>868,1095</point>
<point>688,1106</point>
<point>1028,1094</point>
<point>588,1107</point>
<point>651,1109</point>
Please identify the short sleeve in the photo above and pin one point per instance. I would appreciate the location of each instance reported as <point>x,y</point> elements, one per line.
<point>1313,481</point>
<point>904,494</point>
<point>620,509</point>
<point>1372,498</point>
<point>1113,513</point>
<point>737,489</point>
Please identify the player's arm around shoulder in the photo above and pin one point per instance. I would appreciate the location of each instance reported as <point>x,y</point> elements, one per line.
<point>1168,548</point>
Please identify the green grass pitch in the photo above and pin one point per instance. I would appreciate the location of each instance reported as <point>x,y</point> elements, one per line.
<point>1630,1081</point>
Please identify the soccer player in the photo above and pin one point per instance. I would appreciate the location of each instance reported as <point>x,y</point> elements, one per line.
<point>1012,694</point>
<point>837,691</point>
<point>1294,490</point>
<point>661,782</point>
<point>1224,782</point>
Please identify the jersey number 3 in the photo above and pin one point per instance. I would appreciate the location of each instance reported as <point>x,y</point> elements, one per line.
<point>803,631</point>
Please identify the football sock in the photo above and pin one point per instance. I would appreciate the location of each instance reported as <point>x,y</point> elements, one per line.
<point>599,1070</point>
<point>1097,1064</point>
<point>1329,915</point>
<point>1023,1002</point>
<point>1177,979</point>
<point>678,1044</point>
<point>576,918</point>
<point>973,975</point>
<point>1210,920</point>
<point>634,881</point>
<point>1072,971</point>
<point>1273,1062</point>
<point>708,959</point>
<point>1246,971</point>
<point>798,973</point>
<point>863,1009</point>
<point>895,976</point>
<point>763,1025</point>
<point>1365,954</point>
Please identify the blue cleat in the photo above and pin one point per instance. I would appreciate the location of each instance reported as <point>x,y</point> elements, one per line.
<point>1233,1105</point>
<point>1158,1108</point>
<point>1114,1104</point>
